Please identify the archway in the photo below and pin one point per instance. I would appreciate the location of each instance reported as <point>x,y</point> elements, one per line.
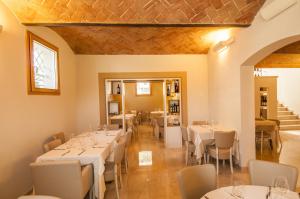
<point>247,84</point>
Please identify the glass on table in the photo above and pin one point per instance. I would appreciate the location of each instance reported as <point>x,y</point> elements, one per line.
<point>238,189</point>
<point>281,187</point>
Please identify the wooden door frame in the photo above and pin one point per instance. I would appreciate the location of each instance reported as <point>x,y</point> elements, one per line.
<point>142,75</point>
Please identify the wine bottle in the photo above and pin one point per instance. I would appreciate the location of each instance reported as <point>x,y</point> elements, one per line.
<point>118,89</point>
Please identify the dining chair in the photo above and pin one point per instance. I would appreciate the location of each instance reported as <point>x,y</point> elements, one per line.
<point>262,134</point>
<point>52,145</point>
<point>222,150</point>
<point>61,136</point>
<point>195,181</point>
<point>64,179</point>
<point>127,143</point>
<point>161,124</point>
<point>113,169</point>
<point>277,130</point>
<point>155,128</point>
<point>38,197</point>
<point>189,146</point>
<point>113,127</point>
<point>200,122</point>
<point>263,173</point>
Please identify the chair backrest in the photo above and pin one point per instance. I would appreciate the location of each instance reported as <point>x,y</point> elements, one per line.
<point>184,133</point>
<point>52,145</point>
<point>113,127</point>
<point>200,122</point>
<point>265,128</point>
<point>119,150</point>
<point>196,181</point>
<point>37,197</point>
<point>128,137</point>
<point>160,121</point>
<point>58,178</point>
<point>263,173</point>
<point>224,139</point>
<point>61,136</point>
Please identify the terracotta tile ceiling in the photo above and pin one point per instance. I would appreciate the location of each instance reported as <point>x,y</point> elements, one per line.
<point>135,26</point>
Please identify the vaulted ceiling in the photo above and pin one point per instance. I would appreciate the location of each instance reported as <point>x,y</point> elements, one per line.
<point>285,57</point>
<point>135,26</point>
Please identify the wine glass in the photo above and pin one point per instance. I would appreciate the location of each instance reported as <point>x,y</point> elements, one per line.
<point>281,185</point>
<point>237,189</point>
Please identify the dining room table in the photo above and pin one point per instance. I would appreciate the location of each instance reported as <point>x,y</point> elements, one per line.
<point>89,148</point>
<point>201,135</point>
<point>271,127</point>
<point>250,192</point>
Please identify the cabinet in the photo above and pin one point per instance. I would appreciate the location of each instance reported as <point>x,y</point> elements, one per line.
<point>266,97</point>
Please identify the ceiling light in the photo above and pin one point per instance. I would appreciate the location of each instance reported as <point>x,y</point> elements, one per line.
<point>217,36</point>
<point>223,45</point>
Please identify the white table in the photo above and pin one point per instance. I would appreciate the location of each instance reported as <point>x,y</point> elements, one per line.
<point>248,192</point>
<point>198,133</point>
<point>128,116</point>
<point>98,146</point>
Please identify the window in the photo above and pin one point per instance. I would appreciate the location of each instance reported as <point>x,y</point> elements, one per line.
<point>143,88</point>
<point>43,70</point>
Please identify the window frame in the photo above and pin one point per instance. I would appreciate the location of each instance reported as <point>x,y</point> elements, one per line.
<point>136,88</point>
<point>32,89</point>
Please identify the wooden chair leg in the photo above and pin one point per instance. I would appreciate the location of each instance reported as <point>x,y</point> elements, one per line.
<point>217,161</point>
<point>120,175</point>
<point>261,142</point>
<point>116,180</point>
<point>231,166</point>
<point>126,161</point>
<point>187,157</point>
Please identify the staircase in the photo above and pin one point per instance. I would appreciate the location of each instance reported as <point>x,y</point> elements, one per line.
<point>288,120</point>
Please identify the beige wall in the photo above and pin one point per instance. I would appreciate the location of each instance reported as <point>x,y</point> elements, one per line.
<point>90,65</point>
<point>231,83</point>
<point>288,79</point>
<point>26,121</point>
<point>144,102</point>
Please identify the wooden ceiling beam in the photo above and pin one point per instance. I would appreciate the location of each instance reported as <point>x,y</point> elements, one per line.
<point>277,60</point>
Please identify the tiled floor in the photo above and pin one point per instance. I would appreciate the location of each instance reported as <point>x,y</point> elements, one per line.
<point>159,180</point>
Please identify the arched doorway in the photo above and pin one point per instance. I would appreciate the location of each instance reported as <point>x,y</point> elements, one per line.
<point>247,84</point>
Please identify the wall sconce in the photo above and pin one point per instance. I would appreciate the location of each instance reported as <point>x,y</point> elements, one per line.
<point>223,45</point>
<point>1,27</point>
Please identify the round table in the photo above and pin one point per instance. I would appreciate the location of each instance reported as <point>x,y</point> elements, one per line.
<point>247,192</point>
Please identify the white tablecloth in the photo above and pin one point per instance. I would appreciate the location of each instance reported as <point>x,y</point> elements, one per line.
<point>97,147</point>
<point>198,133</point>
<point>128,116</point>
<point>248,192</point>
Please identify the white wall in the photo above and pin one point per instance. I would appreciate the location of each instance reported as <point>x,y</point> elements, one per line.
<point>26,121</point>
<point>90,65</point>
<point>287,86</point>
<point>231,95</point>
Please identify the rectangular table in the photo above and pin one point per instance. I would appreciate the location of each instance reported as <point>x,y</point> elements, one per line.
<point>89,148</point>
<point>198,134</point>
<point>269,126</point>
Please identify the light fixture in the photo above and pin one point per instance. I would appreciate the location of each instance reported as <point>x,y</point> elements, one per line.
<point>1,27</point>
<point>223,45</point>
